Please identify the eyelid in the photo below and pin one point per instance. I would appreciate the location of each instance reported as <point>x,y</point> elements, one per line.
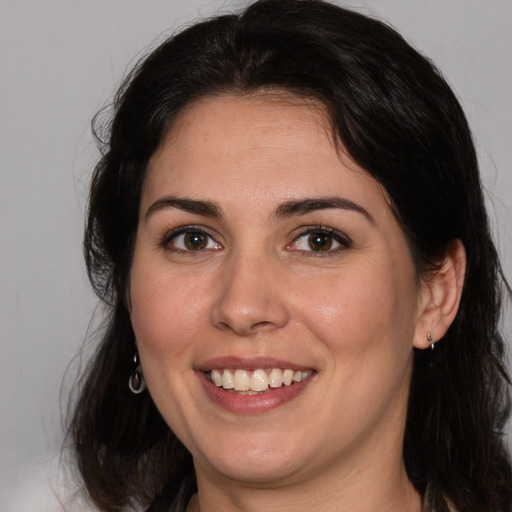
<point>340,237</point>
<point>194,228</point>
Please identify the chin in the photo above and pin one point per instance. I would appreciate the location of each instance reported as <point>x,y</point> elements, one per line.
<point>259,463</point>
<point>268,473</point>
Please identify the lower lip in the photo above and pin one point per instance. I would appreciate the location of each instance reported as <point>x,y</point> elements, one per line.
<point>252,404</point>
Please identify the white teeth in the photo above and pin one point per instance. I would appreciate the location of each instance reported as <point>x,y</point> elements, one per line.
<point>227,380</point>
<point>258,380</point>
<point>287,377</point>
<point>216,378</point>
<point>242,380</point>
<point>275,378</point>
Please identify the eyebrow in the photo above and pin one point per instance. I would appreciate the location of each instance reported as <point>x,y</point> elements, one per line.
<point>285,210</point>
<point>307,205</point>
<point>199,207</point>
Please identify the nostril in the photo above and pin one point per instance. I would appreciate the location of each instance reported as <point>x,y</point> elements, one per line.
<point>260,324</point>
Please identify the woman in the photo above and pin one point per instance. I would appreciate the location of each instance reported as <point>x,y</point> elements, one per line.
<point>288,228</point>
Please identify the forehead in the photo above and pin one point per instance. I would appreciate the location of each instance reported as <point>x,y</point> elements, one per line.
<point>255,148</point>
<point>232,124</point>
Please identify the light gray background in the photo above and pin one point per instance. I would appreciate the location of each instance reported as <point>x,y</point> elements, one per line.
<point>60,61</point>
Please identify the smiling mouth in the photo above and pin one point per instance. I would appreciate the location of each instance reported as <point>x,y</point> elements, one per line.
<point>256,381</point>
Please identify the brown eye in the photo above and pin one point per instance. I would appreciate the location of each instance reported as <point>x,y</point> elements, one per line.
<point>189,240</point>
<point>320,241</point>
<point>195,241</point>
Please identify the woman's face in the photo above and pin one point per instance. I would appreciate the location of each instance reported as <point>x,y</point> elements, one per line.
<point>264,255</point>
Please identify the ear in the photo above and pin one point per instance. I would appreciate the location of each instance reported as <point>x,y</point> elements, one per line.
<point>440,296</point>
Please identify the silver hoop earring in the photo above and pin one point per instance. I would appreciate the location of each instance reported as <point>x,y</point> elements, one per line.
<point>136,382</point>
<point>430,340</point>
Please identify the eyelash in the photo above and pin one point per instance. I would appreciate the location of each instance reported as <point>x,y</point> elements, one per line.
<point>343,240</point>
<point>183,230</point>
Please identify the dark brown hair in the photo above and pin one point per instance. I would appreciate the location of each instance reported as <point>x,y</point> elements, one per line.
<point>397,118</point>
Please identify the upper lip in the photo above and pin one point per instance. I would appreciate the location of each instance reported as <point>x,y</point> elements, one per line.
<point>249,363</point>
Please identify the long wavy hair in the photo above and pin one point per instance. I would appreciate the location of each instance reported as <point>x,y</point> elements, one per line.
<point>397,118</point>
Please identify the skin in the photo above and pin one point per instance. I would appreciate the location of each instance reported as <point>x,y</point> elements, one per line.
<point>352,313</point>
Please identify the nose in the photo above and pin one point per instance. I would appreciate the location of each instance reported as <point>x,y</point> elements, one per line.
<point>251,296</point>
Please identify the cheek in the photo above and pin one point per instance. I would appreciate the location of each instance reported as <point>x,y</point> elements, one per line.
<point>366,324</point>
<point>166,318</point>
<point>166,310</point>
<point>358,311</point>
